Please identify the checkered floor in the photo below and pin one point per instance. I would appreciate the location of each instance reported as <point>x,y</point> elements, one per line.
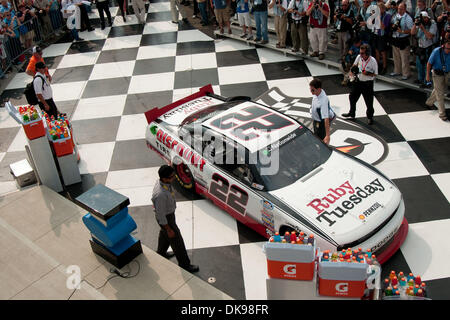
<point>108,81</point>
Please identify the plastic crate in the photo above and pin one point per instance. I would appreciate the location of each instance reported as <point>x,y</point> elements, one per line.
<point>290,261</point>
<point>34,129</point>
<point>63,147</point>
<point>342,279</point>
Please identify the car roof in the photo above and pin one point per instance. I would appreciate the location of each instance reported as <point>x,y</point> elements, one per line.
<point>251,125</point>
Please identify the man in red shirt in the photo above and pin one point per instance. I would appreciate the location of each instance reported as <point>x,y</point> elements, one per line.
<point>35,58</point>
<point>318,12</point>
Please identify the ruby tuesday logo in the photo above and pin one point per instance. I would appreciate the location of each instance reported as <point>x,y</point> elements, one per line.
<point>357,195</point>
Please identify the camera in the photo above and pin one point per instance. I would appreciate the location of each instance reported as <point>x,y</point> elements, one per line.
<point>356,26</point>
<point>355,71</point>
<point>419,20</point>
<point>396,26</point>
<point>339,13</point>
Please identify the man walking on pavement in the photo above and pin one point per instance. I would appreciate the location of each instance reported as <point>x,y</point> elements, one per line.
<point>439,62</point>
<point>163,199</point>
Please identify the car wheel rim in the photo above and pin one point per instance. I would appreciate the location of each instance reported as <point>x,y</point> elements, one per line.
<point>184,173</point>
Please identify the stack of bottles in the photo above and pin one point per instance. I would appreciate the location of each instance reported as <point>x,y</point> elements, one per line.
<point>28,113</point>
<point>349,255</point>
<point>59,132</point>
<point>291,237</point>
<point>58,128</point>
<point>404,285</point>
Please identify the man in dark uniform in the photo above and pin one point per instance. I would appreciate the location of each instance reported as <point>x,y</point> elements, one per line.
<point>164,202</point>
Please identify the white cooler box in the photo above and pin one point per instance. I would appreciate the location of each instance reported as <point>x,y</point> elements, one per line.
<point>23,173</point>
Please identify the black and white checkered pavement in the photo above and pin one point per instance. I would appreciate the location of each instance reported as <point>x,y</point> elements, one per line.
<point>107,82</point>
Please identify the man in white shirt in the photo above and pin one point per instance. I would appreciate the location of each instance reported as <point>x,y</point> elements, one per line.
<point>320,111</point>
<point>367,70</point>
<point>44,91</point>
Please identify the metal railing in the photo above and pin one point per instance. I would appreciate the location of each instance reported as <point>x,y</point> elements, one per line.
<point>19,43</point>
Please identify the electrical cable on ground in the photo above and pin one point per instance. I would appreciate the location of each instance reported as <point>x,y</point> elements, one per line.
<point>124,275</point>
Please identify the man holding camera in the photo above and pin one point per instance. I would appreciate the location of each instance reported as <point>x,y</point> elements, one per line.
<point>344,21</point>
<point>299,26</point>
<point>425,30</point>
<point>361,19</point>
<point>318,12</point>
<point>402,24</point>
<point>439,62</point>
<point>364,69</point>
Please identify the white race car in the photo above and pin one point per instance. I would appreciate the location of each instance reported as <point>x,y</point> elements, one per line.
<point>272,174</point>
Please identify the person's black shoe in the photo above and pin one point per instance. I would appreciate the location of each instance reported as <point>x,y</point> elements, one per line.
<point>103,27</point>
<point>169,255</point>
<point>348,115</point>
<point>185,20</point>
<point>369,121</point>
<point>90,29</point>
<point>192,268</point>
<point>175,22</point>
<point>79,39</point>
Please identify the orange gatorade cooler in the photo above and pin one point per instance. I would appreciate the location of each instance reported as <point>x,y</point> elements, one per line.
<point>34,129</point>
<point>342,279</point>
<point>290,261</point>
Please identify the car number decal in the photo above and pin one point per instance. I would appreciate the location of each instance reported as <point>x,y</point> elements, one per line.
<point>233,196</point>
<point>254,117</point>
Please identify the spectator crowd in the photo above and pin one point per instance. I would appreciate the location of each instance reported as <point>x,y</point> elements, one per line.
<point>408,31</point>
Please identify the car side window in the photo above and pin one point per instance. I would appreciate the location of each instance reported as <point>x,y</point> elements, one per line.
<point>243,173</point>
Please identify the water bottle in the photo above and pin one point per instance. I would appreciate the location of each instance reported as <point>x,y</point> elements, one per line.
<point>277,237</point>
<point>311,239</point>
<point>293,236</point>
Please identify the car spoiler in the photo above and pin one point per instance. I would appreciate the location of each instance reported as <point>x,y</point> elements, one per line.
<point>156,112</point>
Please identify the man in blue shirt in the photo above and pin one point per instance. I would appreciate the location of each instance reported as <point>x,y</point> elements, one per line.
<point>439,62</point>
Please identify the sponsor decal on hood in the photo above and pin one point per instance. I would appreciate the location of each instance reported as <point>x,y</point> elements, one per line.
<point>330,208</point>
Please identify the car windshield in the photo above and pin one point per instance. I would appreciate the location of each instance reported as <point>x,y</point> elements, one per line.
<point>290,158</point>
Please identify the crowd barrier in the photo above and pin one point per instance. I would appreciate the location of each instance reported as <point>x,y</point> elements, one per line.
<point>32,32</point>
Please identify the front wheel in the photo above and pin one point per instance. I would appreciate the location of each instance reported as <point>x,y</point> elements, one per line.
<point>184,176</point>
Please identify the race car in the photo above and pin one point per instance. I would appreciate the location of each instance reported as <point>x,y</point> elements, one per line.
<point>271,173</point>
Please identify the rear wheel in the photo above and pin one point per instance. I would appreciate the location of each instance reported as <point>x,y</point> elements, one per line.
<point>184,176</point>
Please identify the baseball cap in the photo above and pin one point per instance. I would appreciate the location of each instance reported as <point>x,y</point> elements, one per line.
<point>424,14</point>
<point>37,49</point>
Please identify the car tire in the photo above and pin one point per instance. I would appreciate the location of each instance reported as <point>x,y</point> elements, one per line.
<point>184,176</point>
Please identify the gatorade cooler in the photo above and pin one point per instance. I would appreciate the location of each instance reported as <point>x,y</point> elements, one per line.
<point>290,261</point>
<point>34,129</point>
<point>63,146</point>
<point>342,279</point>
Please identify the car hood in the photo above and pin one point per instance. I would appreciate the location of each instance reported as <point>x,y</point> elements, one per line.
<point>344,198</point>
